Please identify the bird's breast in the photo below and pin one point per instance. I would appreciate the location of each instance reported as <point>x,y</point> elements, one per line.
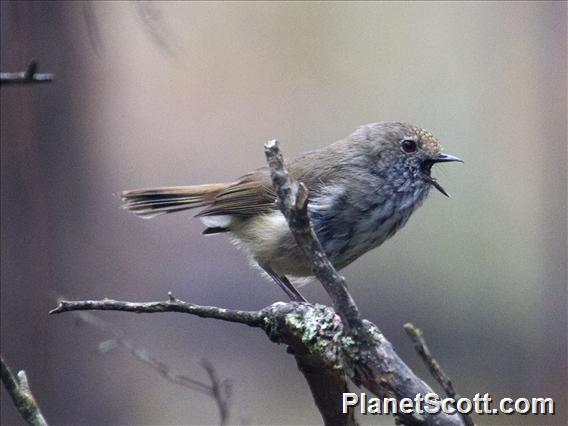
<point>349,228</point>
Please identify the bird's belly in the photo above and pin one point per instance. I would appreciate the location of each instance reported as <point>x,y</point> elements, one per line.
<point>268,241</point>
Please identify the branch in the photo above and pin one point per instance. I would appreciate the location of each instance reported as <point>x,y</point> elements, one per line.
<point>26,77</point>
<point>250,318</point>
<point>323,352</point>
<point>441,377</point>
<point>19,389</point>
<point>157,29</point>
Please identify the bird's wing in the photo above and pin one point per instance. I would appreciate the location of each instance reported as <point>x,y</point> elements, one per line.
<point>251,195</point>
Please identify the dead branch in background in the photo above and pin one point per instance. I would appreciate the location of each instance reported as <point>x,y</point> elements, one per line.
<point>19,390</point>
<point>329,344</point>
<point>93,29</point>
<point>222,391</point>
<point>29,76</point>
<point>160,34</point>
<point>219,390</point>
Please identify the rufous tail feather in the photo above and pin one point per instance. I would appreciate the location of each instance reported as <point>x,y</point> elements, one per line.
<point>152,202</point>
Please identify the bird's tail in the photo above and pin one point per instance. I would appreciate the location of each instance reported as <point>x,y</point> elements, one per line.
<point>148,203</point>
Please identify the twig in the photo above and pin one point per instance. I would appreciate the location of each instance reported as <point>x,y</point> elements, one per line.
<point>26,77</point>
<point>417,338</point>
<point>19,390</point>
<point>250,318</point>
<point>437,372</point>
<point>157,29</point>
<point>92,24</point>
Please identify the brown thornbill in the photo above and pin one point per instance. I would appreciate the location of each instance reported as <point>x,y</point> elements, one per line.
<point>362,190</point>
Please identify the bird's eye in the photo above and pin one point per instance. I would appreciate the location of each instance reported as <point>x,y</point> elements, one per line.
<point>408,146</point>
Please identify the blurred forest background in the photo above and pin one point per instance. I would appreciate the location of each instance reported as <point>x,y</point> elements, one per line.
<point>150,94</point>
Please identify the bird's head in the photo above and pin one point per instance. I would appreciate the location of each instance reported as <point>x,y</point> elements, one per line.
<point>404,153</point>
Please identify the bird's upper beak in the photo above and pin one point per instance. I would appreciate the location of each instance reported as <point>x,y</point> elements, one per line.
<point>446,158</point>
<point>442,158</point>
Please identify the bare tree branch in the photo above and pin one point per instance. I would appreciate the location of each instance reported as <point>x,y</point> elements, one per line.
<point>251,318</point>
<point>92,24</point>
<point>437,372</point>
<point>19,390</point>
<point>160,34</point>
<point>26,77</point>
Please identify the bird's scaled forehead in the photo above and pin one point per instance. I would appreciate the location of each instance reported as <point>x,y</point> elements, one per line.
<point>428,142</point>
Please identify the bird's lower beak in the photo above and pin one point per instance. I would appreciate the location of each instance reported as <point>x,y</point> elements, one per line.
<point>442,158</point>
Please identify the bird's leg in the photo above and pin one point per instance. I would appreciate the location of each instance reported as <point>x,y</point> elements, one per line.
<point>285,284</point>
<point>298,297</point>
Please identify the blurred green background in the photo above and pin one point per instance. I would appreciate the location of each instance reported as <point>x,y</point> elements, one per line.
<point>151,94</point>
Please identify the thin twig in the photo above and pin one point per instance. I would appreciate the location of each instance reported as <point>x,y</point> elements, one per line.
<point>436,370</point>
<point>30,75</point>
<point>157,29</point>
<point>250,318</point>
<point>19,389</point>
<point>92,24</point>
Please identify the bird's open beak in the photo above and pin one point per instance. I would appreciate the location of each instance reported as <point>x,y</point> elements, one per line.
<point>442,158</point>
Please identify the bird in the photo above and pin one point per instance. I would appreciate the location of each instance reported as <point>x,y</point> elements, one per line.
<point>362,190</point>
